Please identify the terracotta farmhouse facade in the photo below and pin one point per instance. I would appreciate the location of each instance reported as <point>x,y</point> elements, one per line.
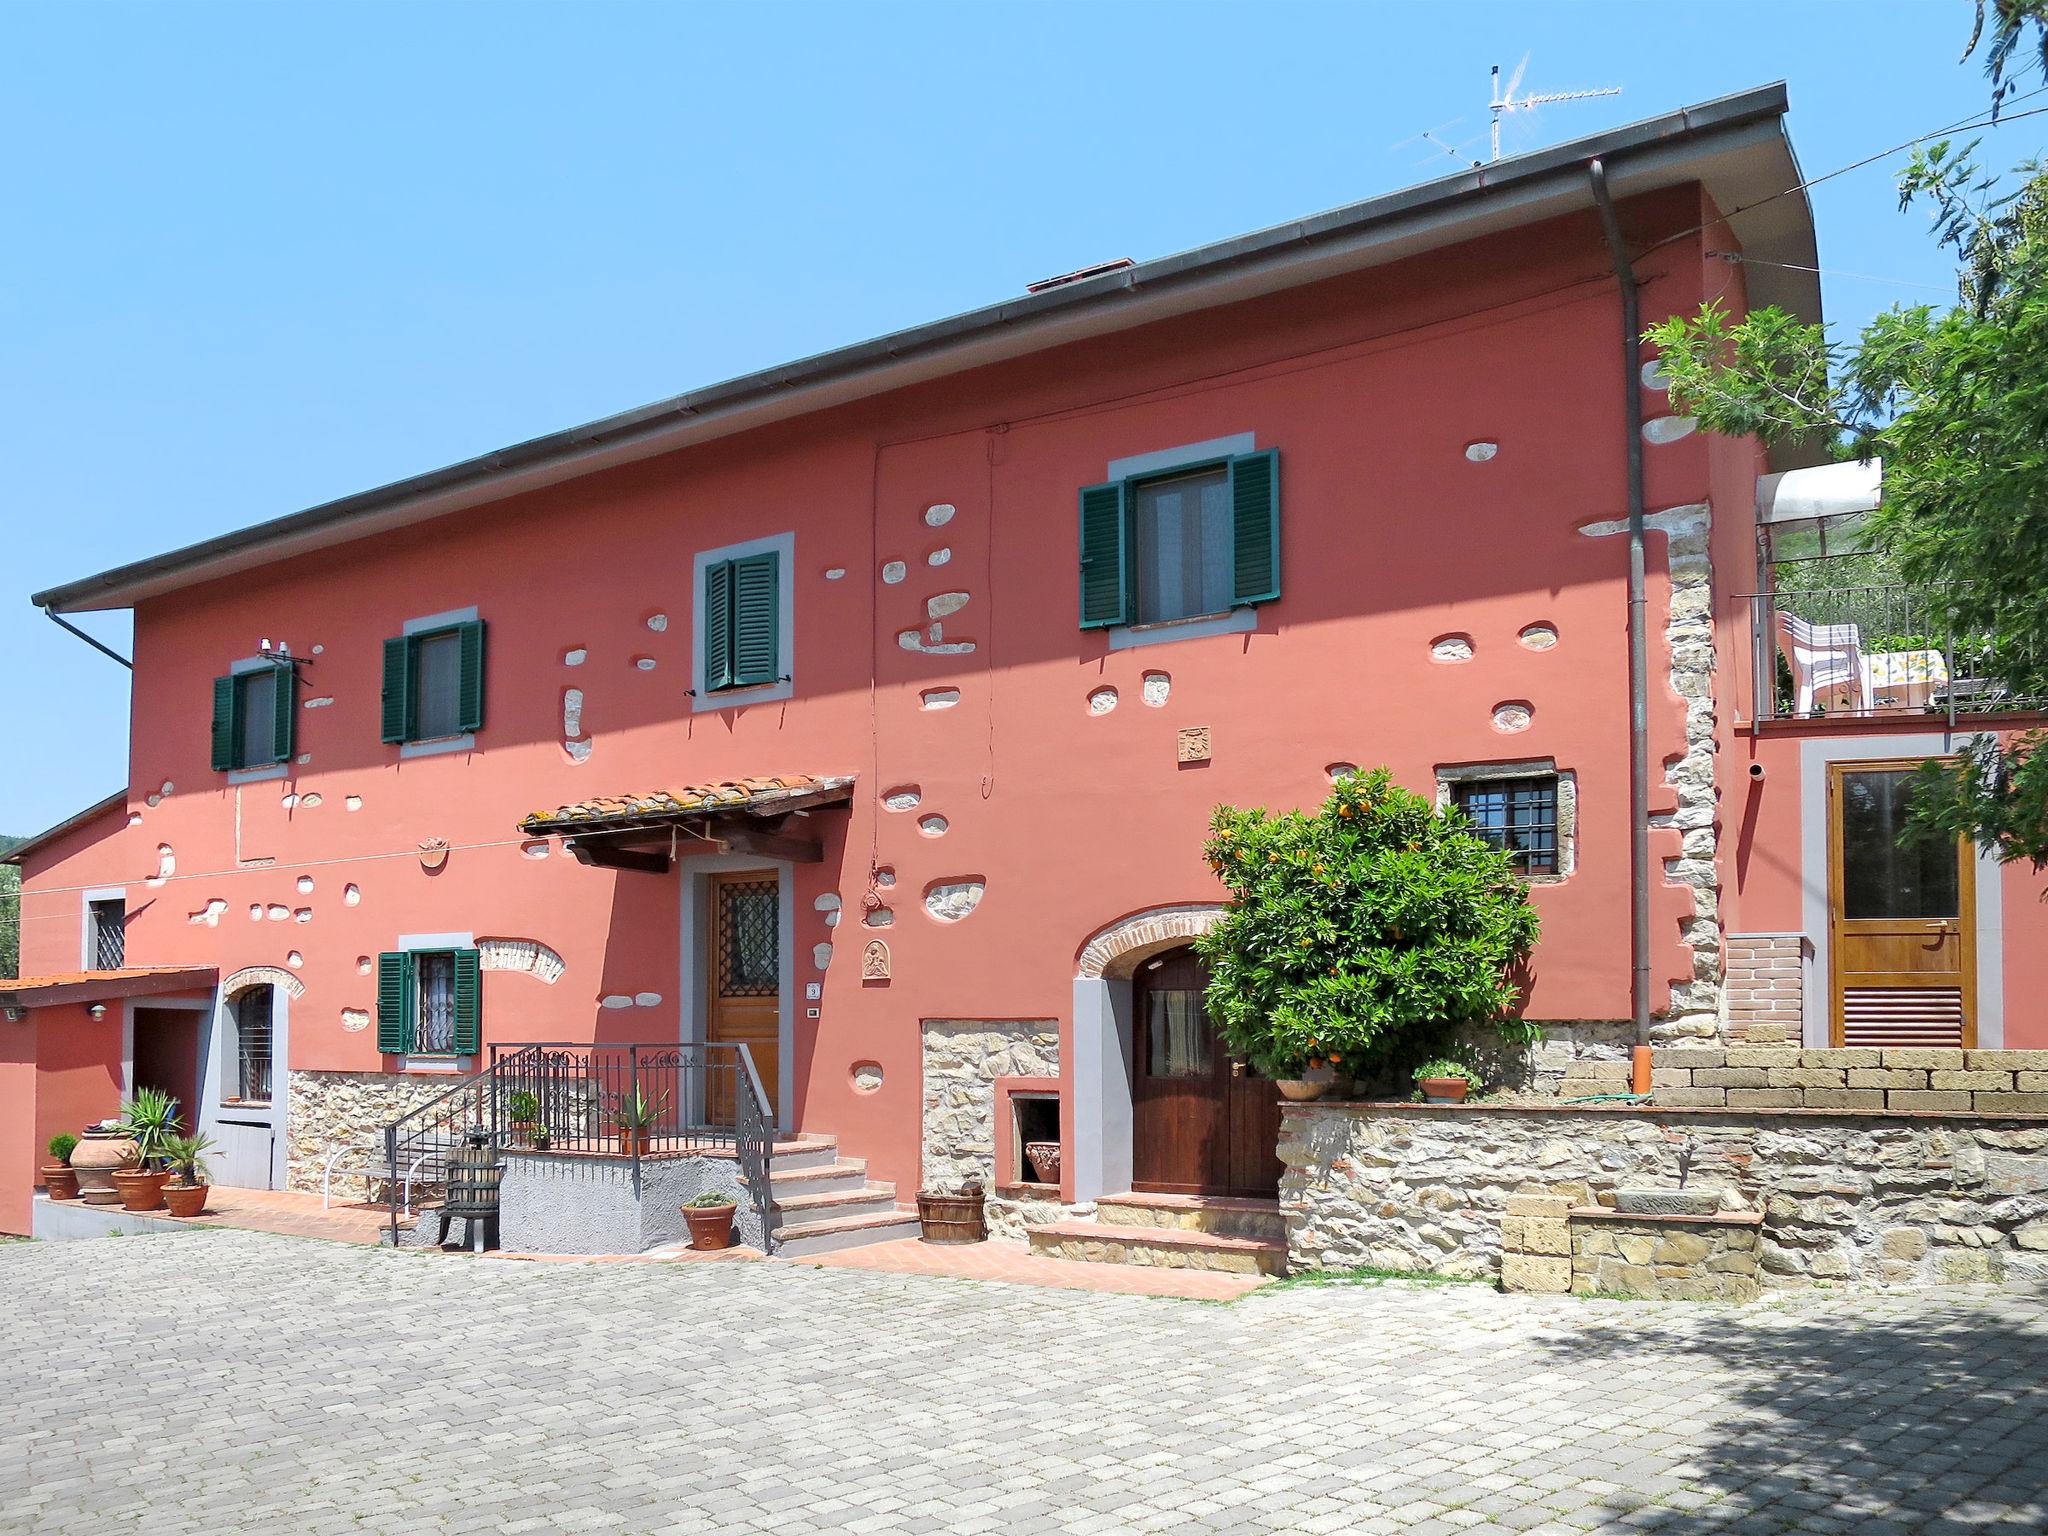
<point>868,712</point>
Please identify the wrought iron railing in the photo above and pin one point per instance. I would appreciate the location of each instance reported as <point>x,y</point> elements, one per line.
<point>1882,650</point>
<point>629,1100</point>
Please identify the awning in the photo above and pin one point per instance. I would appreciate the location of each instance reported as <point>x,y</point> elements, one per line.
<point>644,832</point>
<point>104,986</point>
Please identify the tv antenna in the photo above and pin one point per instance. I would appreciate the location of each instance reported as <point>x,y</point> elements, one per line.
<point>1506,101</point>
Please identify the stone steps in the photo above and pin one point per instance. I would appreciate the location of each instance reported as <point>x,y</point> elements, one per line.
<point>1224,1215</point>
<point>1174,1247</point>
<point>796,1240</point>
<point>821,1202</point>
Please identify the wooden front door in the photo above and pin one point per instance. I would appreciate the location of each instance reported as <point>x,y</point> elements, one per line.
<point>1199,1126</point>
<point>743,982</point>
<point>1902,937</point>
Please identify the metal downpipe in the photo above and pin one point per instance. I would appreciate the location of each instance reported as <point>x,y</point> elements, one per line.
<point>1638,611</point>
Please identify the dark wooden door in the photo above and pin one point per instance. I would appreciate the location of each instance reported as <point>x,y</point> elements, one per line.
<point>743,985</point>
<point>1199,1125</point>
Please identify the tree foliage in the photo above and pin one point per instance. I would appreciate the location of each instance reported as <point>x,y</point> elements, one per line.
<point>1954,399</point>
<point>1370,932</point>
<point>10,913</point>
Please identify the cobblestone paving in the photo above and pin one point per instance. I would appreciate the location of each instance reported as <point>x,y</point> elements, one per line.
<point>236,1381</point>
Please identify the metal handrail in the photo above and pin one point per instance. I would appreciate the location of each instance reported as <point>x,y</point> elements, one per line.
<point>396,1135</point>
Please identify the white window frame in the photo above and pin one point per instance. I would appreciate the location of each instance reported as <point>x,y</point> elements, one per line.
<point>1158,465</point>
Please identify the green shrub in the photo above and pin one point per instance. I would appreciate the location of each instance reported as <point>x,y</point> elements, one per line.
<point>1371,933</point>
<point>62,1145</point>
<point>707,1201</point>
<point>523,1105</point>
<point>1443,1066</point>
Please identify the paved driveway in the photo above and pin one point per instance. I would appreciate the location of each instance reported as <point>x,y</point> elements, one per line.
<point>234,1381</point>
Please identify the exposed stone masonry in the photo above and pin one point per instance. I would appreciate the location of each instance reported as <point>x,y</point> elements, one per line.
<point>962,1060</point>
<point>334,1109</point>
<point>1879,1198</point>
<point>1945,1079</point>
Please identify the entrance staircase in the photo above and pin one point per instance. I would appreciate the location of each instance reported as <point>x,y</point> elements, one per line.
<point>1215,1232</point>
<point>822,1202</point>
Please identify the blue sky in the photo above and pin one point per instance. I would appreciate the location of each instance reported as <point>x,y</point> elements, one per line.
<point>261,255</point>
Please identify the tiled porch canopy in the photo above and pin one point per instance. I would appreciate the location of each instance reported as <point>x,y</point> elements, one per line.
<point>104,986</point>
<point>645,832</point>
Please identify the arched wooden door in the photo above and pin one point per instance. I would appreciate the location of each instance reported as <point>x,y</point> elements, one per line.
<point>1199,1126</point>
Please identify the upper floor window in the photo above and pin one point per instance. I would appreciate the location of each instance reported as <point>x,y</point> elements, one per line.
<point>107,934</point>
<point>746,623</point>
<point>429,1002</point>
<point>434,681</point>
<point>1518,815</point>
<point>252,715</point>
<point>1191,541</point>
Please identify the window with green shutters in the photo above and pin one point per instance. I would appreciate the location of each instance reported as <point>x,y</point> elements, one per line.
<point>434,683</point>
<point>430,1002</point>
<point>742,618</point>
<point>254,717</point>
<point>1191,542</point>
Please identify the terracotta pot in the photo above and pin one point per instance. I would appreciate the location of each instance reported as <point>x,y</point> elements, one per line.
<point>1444,1090</point>
<point>1044,1157</point>
<point>59,1181</point>
<point>94,1160</point>
<point>141,1189</point>
<point>710,1225</point>
<point>186,1199</point>
<point>632,1141</point>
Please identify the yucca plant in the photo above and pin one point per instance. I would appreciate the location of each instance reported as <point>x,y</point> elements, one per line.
<point>636,1112</point>
<point>185,1156</point>
<point>150,1119</point>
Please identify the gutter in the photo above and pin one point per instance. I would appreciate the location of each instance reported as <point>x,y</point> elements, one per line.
<point>1638,636</point>
<point>105,650</point>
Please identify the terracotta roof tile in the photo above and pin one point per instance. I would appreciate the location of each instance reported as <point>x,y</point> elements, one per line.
<point>757,795</point>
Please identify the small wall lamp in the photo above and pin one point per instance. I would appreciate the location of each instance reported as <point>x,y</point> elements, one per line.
<point>15,1013</point>
<point>98,1010</point>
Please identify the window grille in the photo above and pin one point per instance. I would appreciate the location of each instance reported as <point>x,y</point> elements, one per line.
<point>1516,815</point>
<point>252,1045</point>
<point>435,1034</point>
<point>109,935</point>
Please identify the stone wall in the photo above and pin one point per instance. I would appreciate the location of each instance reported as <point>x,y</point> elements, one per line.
<point>1895,1199</point>
<point>1664,1258</point>
<point>1946,1080</point>
<point>1764,984</point>
<point>962,1060</point>
<point>332,1109</point>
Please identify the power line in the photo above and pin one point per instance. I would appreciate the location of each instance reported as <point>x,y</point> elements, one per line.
<point>1794,266</point>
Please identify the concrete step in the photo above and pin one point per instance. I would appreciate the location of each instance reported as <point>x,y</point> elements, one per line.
<point>798,1239</point>
<point>819,1178</point>
<point>1230,1216</point>
<point>867,1199</point>
<point>1160,1247</point>
<point>805,1151</point>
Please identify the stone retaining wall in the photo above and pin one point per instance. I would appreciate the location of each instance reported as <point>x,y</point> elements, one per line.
<point>962,1060</point>
<point>1879,1198</point>
<point>1943,1079</point>
<point>1664,1258</point>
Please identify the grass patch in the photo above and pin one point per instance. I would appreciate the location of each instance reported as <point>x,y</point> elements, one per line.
<point>1368,1274</point>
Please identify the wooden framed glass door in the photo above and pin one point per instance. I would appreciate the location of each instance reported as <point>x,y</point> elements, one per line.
<point>1902,939</point>
<point>743,983</point>
<point>1199,1124</point>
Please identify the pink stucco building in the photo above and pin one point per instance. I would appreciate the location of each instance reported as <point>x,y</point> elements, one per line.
<point>976,623</point>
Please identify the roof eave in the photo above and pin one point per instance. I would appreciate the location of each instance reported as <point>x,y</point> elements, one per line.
<point>1737,140</point>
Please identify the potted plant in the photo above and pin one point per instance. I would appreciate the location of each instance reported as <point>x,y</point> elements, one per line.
<point>102,1150</point>
<point>58,1179</point>
<point>710,1217</point>
<point>523,1105</point>
<point>1444,1081</point>
<point>150,1119</point>
<point>1371,933</point>
<point>188,1188</point>
<point>634,1116</point>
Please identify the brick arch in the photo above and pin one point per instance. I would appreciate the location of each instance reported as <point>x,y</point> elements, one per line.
<point>1116,951</point>
<point>262,976</point>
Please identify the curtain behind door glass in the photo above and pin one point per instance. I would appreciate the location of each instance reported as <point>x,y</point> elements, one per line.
<point>1177,1035</point>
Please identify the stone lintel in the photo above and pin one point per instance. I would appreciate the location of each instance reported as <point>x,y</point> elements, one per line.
<point>1666,1218</point>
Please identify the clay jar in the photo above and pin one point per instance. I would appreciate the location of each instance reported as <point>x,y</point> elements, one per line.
<point>94,1160</point>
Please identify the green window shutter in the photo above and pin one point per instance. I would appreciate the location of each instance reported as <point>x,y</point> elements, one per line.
<point>469,1002</point>
<point>1255,526</point>
<point>394,1003</point>
<point>1105,559</point>
<point>470,699</point>
<point>756,619</point>
<point>285,680</point>
<point>718,626</point>
<point>224,733</point>
<point>397,688</point>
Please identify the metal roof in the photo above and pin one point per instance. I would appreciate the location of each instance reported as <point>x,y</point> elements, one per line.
<point>1735,146</point>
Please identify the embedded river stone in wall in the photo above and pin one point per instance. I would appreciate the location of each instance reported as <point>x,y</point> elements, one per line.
<point>1335,771</point>
<point>1538,637</point>
<point>878,917</point>
<point>932,826</point>
<point>615,1001</point>
<point>945,603</point>
<point>294,959</point>
<point>950,900</point>
<point>305,884</point>
<point>939,698</point>
<point>536,848</point>
<point>355,1020</point>
<point>575,657</point>
<point>354,802</point>
<point>210,914</point>
<point>885,874</point>
<point>938,557</point>
<point>657,622</point>
<point>1513,715</point>
<point>1482,452</point>
<point>938,515</point>
<point>1451,648</point>
<point>1668,429</point>
<point>821,955</point>
<point>902,798</point>
<point>1158,688</point>
<point>644,663</point>
<point>826,902</point>
<point>572,712</point>
<point>1101,701</point>
<point>351,895</point>
<point>835,573</point>
<point>866,1076</point>
<point>1654,376</point>
<point>894,571</point>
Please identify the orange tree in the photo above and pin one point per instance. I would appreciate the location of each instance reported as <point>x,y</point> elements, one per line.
<point>1373,933</point>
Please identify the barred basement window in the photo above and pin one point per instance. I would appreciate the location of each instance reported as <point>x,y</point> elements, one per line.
<point>1518,815</point>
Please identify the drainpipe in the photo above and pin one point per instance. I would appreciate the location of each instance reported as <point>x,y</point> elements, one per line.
<point>1638,642</point>
<point>104,650</point>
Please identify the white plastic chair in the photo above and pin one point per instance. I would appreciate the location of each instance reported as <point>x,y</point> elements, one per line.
<point>1823,658</point>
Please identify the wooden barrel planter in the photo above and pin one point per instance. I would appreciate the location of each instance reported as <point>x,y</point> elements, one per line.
<point>952,1218</point>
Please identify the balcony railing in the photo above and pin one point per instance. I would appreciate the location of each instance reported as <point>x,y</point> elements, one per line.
<point>1890,650</point>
